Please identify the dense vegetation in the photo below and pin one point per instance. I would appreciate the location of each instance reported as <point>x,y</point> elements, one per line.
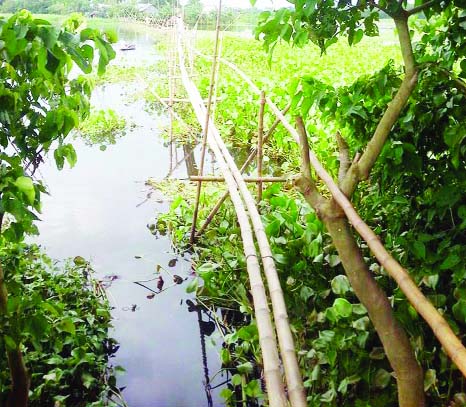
<point>63,320</point>
<point>413,197</point>
<point>357,346</point>
<point>44,344</point>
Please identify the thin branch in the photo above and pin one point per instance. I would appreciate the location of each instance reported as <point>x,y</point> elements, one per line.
<point>360,170</point>
<point>306,182</point>
<point>375,5</point>
<point>343,156</point>
<point>420,8</point>
<point>460,84</point>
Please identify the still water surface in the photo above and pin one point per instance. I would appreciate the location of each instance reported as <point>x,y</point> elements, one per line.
<point>93,211</point>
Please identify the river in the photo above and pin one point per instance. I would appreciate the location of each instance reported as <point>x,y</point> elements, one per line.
<point>96,210</point>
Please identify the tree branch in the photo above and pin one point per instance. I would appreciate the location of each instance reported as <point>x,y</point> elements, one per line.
<point>306,183</point>
<point>375,5</point>
<point>404,37</point>
<point>420,8</point>
<point>343,156</point>
<point>360,170</point>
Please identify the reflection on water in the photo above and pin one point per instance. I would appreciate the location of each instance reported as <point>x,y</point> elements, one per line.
<point>94,210</point>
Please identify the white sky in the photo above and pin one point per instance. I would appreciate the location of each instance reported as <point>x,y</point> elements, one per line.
<point>246,3</point>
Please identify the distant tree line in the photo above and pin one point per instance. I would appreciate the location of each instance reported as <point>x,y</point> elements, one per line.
<point>194,12</point>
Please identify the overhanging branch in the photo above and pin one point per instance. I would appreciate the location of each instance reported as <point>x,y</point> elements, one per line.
<point>420,8</point>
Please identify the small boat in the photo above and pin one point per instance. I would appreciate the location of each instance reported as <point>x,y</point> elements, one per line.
<point>127,47</point>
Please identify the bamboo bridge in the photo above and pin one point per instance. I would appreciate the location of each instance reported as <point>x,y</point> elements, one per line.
<point>273,326</point>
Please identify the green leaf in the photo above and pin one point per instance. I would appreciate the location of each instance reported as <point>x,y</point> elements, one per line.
<point>459,311</point>
<point>225,356</point>
<point>245,368</point>
<point>306,293</point>
<point>430,379</point>
<point>451,261</point>
<point>37,326</point>
<point>419,249</point>
<point>333,260</point>
<point>361,324</point>
<point>26,186</point>
<point>87,380</point>
<point>253,389</point>
<point>342,307</point>
<point>382,378</point>
<point>67,325</point>
<point>236,380</point>
<point>192,286</point>
<point>226,394</point>
<point>340,285</point>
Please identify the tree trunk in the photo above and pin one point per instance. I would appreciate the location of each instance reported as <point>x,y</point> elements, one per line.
<point>19,393</point>
<point>409,374</point>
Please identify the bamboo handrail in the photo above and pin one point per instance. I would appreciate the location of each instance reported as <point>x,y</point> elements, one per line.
<point>453,346</point>
<point>285,338</point>
<point>267,341</point>
<point>207,178</point>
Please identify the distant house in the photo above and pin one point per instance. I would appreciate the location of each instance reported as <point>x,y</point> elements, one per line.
<point>146,8</point>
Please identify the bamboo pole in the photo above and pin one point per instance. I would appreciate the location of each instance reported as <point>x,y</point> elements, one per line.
<point>186,100</point>
<point>260,137</point>
<point>246,179</point>
<point>246,164</point>
<point>445,335</point>
<point>217,75</point>
<point>206,124</point>
<point>170,102</point>
<point>267,341</point>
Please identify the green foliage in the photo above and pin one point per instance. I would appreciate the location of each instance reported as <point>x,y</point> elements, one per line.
<point>62,319</point>
<point>341,65</point>
<point>40,105</point>
<point>414,198</point>
<point>102,127</point>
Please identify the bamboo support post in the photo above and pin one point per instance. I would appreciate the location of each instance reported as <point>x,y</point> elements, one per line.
<point>267,341</point>
<point>186,100</point>
<point>246,164</point>
<point>206,124</point>
<point>246,179</point>
<point>170,98</point>
<point>445,335</point>
<point>217,75</point>
<point>260,137</point>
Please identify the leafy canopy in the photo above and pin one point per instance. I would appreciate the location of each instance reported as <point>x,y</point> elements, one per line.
<point>41,101</point>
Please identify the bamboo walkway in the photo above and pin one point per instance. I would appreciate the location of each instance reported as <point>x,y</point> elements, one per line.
<point>275,325</point>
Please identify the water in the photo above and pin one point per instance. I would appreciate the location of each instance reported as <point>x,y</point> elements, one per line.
<point>94,210</point>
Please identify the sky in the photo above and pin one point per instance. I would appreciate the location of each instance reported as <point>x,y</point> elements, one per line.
<point>246,3</point>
